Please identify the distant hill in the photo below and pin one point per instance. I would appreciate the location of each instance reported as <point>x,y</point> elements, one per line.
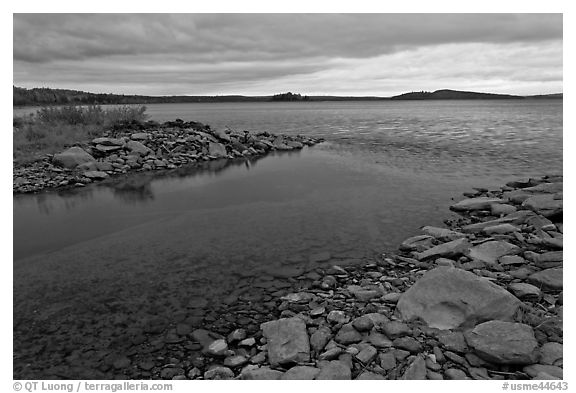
<point>554,96</point>
<point>452,95</point>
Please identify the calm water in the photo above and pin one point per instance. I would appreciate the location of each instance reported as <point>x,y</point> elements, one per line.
<point>386,170</point>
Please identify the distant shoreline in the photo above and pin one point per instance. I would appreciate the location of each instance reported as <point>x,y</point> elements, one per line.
<point>57,97</point>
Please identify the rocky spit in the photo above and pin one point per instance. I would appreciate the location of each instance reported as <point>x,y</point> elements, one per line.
<point>146,147</point>
<point>480,299</point>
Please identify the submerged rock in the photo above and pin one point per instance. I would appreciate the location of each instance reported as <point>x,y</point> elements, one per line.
<point>287,341</point>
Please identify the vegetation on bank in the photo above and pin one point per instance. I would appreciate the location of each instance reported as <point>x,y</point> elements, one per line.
<point>52,129</point>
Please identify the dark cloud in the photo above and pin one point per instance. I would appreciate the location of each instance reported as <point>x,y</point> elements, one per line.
<point>148,52</point>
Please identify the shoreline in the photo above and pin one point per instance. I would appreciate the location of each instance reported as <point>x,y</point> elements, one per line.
<point>146,147</point>
<point>360,321</point>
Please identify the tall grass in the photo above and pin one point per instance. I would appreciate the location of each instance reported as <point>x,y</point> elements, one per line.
<point>52,129</point>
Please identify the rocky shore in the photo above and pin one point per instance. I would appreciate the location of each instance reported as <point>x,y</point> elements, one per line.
<point>480,299</point>
<point>146,147</point>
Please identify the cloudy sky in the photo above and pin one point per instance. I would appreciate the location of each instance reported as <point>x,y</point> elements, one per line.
<point>315,54</point>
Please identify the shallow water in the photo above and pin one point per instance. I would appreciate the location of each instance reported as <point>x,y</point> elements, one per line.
<point>153,244</point>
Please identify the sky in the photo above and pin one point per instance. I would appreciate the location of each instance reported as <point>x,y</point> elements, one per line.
<point>313,54</point>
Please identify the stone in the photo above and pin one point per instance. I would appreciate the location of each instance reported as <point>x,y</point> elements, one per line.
<point>301,373</point>
<point>320,338</point>
<point>108,141</point>
<point>237,335</point>
<point>96,175</point>
<point>348,335</point>
<point>546,260</point>
<point>140,136</point>
<point>377,319</point>
<point>448,298</point>
<point>502,209</point>
<point>480,203</point>
<point>336,316</point>
<point>453,341</point>
<point>417,243</point>
<point>72,157</point>
<point>216,149</point>
<point>219,373</point>
<point>366,355</point>
<point>122,362</point>
<point>247,342</point>
<point>490,251</point>
<point>217,348</point>
<point>479,373</point>
<point>138,148</point>
<point>363,324</point>
<point>511,260</point>
<point>550,353</point>
<point>391,297</point>
<point>503,342</point>
<point>434,376</point>
<point>331,354</point>
<point>547,279</point>
<point>379,340</point>
<point>204,337</point>
<point>395,329</point>
<point>104,166</point>
<point>261,373</point>
<point>335,369</point>
<point>287,341</point>
<point>416,370</point>
<point>500,229</point>
<point>235,361</point>
<point>545,205</point>
<point>534,370</point>
<point>453,248</point>
<point>362,294</point>
<point>455,374</point>
<point>523,290</point>
<point>408,343</point>
<point>387,360</point>
<point>442,234</point>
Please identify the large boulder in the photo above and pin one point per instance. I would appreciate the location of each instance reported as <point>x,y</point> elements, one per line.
<point>490,251</point>
<point>72,157</point>
<point>503,342</point>
<point>135,147</point>
<point>287,341</point>
<point>448,298</point>
<point>216,149</point>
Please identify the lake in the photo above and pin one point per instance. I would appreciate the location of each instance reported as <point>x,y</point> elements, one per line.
<point>91,263</point>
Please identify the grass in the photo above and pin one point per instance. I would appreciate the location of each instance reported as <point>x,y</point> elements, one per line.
<point>53,129</point>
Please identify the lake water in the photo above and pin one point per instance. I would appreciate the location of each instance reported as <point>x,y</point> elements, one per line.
<point>150,244</point>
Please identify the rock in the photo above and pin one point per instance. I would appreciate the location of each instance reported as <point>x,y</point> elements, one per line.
<point>96,175</point>
<point>300,297</point>
<point>535,369</point>
<point>479,373</point>
<point>503,342</point>
<point>500,229</point>
<point>447,298</point>
<point>546,260</point>
<point>336,316</point>
<point>416,370</point>
<point>408,343</point>
<point>489,252</point>
<point>547,279</point>
<point>235,361</point>
<point>217,348</point>
<point>88,166</point>
<point>523,290</point>
<point>335,370</point>
<point>348,335</point>
<point>391,297</point>
<point>108,141</point>
<point>395,329</point>
<point>138,148</point>
<point>219,372</point>
<point>301,373</point>
<point>262,373</point>
<point>104,166</point>
<point>502,209</point>
<point>545,205</point>
<point>550,353</point>
<point>140,136</point>
<point>379,340</point>
<point>451,249</point>
<point>122,362</point>
<point>442,234</point>
<point>216,149</point>
<point>363,324</point>
<point>247,342</point>
<point>287,341</point>
<point>387,360</point>
<point>320,338</point>
<point>511,260</point>
<point>237,335</point>
<point>362,294</point>
<point>368,376</point>
<point>204,337</point>
<point>72,157</point>
<point>455,374</point>
<point>417,243</point>
<point>366,355</point>
<point>330,354</point>
<point>377,319</point>
<point>480,203</point>
<point>453,341</point>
